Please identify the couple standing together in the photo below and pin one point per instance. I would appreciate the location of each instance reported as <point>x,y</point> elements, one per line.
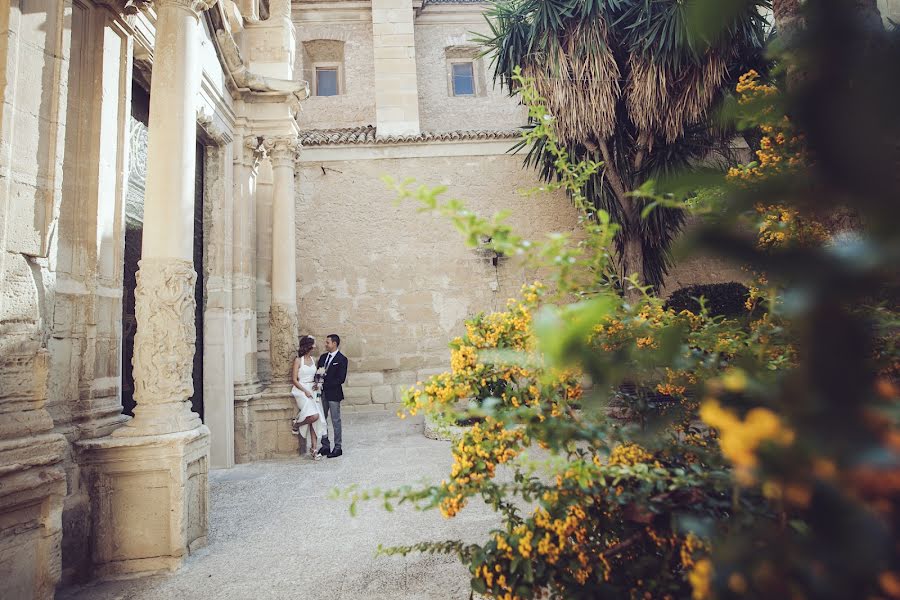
<point>318,393</point>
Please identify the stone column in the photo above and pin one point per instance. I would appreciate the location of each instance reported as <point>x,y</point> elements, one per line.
<point>247,384</point>
<point>149,479</point>
<point>263,268</point>
<point>284,322</point>
<point>396,86</point>
<point>246,167</point>
<point>165,339</point>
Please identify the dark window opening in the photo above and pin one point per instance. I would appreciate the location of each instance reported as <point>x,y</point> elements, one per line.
<point>326,82</point>
<point>463,79</point>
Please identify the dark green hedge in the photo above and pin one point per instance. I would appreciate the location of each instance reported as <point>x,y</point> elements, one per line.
<point>722,299</point>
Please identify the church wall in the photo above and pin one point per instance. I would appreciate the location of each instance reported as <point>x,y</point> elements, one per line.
<point>397,284</point>
<point>439,110</point>
<point>355,105</point>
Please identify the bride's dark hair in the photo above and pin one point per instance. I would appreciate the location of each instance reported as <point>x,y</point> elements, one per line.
<point>306,344</point>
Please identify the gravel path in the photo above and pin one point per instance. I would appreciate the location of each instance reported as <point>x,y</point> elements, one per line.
<point>274,532</point>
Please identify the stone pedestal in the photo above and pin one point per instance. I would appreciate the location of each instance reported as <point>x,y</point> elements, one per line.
<point>263,427</point>
<point>32,479</point>
<point>32,488</point>
<point>149,500</point>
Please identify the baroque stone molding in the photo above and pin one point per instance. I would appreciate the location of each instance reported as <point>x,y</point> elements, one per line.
<point>208,123</point>
<point>282,150</point>
<point>284,326</point>
<point>195,6</point>
<point>164,344</point>
<point>245,78</point>
<point>252,150</point>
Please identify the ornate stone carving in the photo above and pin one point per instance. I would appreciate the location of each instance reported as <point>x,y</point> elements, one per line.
<point>253,150</point>
<point>284,327</point>
<point>196,6</point>
<point>282,150</point>
<point>244,78</point>
<point>166,334</point>
<point>208,123</point>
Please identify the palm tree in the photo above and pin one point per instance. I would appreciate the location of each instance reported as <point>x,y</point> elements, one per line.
<point>631,83</point>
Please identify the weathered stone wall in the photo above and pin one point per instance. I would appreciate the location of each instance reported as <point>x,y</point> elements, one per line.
<point>397,284</point>
<point>701,268</point>
<point>439,110</point>
<point>355,105</point>
<point>34,60</point>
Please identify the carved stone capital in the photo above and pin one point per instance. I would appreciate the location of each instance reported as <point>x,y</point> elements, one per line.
<point>284,328</point>
<point>252,150</point>
<point>282,150</point>
<point>164,345</point>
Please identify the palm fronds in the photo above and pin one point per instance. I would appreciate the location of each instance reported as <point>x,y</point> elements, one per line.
<point>630,82</point>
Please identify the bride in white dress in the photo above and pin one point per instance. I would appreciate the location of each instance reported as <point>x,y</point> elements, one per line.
<point>310,420</point>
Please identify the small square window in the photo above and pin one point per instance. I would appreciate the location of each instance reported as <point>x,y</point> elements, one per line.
<point>326,81</point>
<point>463,79</point>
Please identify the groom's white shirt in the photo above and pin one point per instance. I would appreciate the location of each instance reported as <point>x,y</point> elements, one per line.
<point>330,358</point>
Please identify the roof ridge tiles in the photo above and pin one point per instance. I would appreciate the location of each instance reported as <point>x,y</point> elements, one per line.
<point>367,134</point>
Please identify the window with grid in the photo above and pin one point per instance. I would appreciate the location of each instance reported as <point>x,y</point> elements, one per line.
<point>326,81</point>
<point>463,79</point>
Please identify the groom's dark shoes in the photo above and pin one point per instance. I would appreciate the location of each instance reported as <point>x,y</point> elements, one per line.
<point>335,453</point>
<point>325,450</point>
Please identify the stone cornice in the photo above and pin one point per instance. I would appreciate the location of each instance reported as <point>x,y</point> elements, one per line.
<point>345,10</point>
<point>216,133</point>
<point>233,62</point>
<point>363,152</point>
<point>451,12</point>
<point>195,6</point>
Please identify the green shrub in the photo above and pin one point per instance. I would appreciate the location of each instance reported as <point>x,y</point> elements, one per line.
<point>721,299</point>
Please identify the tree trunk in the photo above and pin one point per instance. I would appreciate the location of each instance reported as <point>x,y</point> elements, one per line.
<point>788,19</point>
<point>632,263</point>
<point>632,259</point>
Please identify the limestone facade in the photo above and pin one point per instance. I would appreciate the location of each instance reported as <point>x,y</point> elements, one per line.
<point>86,490</point>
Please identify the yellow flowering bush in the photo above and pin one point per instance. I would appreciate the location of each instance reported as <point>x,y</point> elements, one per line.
<point>740,439</point>
<point>711,458</point>
<point>514,385</point>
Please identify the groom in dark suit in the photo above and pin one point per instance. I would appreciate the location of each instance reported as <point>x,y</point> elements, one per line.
<point>335,365</point>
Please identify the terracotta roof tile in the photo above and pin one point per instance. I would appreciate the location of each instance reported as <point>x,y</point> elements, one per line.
<point>367,135</point>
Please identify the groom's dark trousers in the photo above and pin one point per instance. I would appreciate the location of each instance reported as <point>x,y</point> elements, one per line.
<point>332,394</point>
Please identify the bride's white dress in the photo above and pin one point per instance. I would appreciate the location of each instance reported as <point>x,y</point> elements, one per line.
<point>309,406</point>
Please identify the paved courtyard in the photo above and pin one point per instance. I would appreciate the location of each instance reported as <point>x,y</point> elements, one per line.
<point>274,532</point>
